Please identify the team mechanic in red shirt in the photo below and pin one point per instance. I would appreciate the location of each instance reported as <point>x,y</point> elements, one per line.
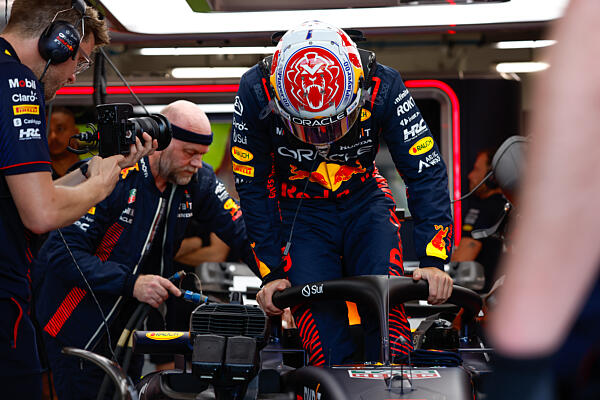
<point>307,123</point>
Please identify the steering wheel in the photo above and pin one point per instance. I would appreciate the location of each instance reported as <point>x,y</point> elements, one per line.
<point>373,290</point>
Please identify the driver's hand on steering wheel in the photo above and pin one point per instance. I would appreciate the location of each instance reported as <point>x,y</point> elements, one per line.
<point>440,283</point>
<point>265,295</point>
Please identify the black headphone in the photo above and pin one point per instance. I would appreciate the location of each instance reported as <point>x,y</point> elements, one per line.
<point>60,40</point>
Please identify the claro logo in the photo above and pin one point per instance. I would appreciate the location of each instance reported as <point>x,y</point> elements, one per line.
<point>422,146</point>
<point>309,290</point>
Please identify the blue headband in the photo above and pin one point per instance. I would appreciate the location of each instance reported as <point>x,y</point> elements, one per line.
<point>189,136</point>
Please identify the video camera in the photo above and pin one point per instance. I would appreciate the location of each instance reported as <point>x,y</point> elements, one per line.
<point>117,130</point>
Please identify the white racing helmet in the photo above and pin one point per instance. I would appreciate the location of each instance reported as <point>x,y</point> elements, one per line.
<point>316,74</point>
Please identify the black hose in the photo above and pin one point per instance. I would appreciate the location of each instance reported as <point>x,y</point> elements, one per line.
<point>129,352</point>
<point>140,313</point>
<point>136,319</point>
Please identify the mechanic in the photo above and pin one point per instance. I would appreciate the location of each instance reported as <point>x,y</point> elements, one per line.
<point>548,308</point>
<point>208,238</point>
<point>304,168</point>
<point>485,210</point>
<point>30,202</point>
<point>62,127</point>
<point>124,246</point>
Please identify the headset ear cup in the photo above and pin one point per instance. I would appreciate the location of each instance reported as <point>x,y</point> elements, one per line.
<point>59,41</point>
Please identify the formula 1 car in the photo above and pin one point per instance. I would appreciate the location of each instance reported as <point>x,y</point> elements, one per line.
<point>232,356</point>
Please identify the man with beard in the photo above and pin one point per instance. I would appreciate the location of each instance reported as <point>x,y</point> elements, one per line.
<point>485,209</point>
<point>30,202</point>
<point>124,246</point>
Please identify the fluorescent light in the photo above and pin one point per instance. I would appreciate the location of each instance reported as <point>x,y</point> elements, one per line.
<point>208,72</point>
<point>524,44</point>
<point>521,67</point>
<point>156,17</point>
<point>207,108</point>
<point>200,51</point>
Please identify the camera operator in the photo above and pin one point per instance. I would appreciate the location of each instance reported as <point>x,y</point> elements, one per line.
<point>124,246</point>
<point>30,202</point>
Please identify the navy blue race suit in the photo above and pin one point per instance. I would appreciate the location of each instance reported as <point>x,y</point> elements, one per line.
<point>23,149</point>
<point>136,230</point>
<point>346,224</point>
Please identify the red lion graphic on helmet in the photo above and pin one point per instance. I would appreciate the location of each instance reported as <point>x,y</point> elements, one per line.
<point>315,80</point>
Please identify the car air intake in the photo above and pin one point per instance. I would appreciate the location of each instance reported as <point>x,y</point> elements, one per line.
<point>230,320</point>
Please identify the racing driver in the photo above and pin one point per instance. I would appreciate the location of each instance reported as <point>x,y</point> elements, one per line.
<point>307,123</point>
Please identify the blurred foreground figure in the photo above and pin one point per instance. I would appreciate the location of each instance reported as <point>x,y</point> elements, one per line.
<point>554,266</point>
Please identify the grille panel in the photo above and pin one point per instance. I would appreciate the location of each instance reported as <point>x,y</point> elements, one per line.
<point>229,320</point>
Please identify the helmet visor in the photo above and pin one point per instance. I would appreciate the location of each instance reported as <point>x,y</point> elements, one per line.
<point>323,130</point>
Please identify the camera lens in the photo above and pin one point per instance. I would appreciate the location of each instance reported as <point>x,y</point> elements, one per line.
<point>156,125</point>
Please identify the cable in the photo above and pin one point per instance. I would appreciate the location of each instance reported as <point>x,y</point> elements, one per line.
<point>45,70</point>
<point>289,241</point>
<point>49,118</point>
<point>93,295</point>
<point>475,188</point>
<point>124,80</point>
<point>134,322</point>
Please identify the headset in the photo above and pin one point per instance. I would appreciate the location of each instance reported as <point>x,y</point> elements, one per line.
<point>60,40</point>
<point>491,183</point>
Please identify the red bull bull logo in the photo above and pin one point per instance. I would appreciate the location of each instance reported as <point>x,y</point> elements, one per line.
<point>437,246</point>
<point>328,175</point>
<point>125,172</point>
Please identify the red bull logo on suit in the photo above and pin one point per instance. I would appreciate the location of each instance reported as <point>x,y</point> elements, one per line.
<point>328,175</point>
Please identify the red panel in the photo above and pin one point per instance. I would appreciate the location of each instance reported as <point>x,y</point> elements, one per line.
<point>153,89</point>
<point>429,83</point>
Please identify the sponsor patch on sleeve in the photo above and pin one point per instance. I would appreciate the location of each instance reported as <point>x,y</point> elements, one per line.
<point>241,155</point>
<point>245,170</point>
<point>422,146</point>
